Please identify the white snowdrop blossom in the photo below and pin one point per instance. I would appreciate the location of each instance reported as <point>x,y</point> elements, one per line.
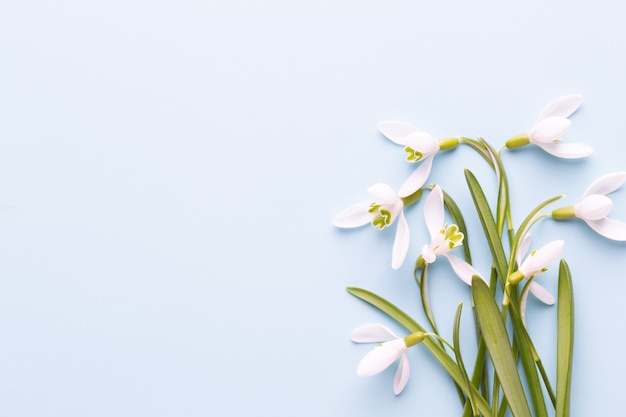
<point>420,147</point>
<point>541,293</point>
<point>444,237</point>
<point>381,213</point>
<point>595,206</point>
<point>537,262</point>
<point>550,127</point>
<point>390,348</point>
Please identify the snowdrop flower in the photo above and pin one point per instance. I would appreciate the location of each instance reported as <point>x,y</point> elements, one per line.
<point>390,348</point>
<point>538,260</point>
<point>444,237</point>
<point>534,287</point>
<point>419,146</point>
<point>381,213</point>
<point>595,206</point>
<point>549,128</point>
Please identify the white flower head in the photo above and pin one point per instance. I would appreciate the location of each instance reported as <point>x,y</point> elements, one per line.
<point>595,206</point>
<point>444,237</point>
<point>420,147</point>
<point>550,127</point>
<point>541,293</point>
<point>390,348</point>
<point>538,260</point>
<point>381,212</point>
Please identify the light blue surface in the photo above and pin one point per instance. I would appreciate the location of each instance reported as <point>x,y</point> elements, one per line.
<point>169,169</point>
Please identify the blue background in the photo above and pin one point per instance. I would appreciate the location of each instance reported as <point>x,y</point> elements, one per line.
<point>169,170</point>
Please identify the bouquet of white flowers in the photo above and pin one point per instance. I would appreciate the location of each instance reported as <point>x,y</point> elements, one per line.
<point>507,372</point>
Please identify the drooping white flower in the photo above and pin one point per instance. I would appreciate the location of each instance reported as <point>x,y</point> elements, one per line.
<point>541,293</point>
<point>382,212</point>
<point>419,146</point>
<point>595,206</point>
<point>444,237</point>
<point>538,260</point>
<point>550,127</point>
<point>390,348</point>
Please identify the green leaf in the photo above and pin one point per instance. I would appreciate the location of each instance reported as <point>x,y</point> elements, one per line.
<point>433,346</point>
<point>565,340</point>
<point>423,285</point>
<point>499,348</point>
<point>459,358</point>
<point>489,225</point>
<point>529,357</point>
<point>503,187</point>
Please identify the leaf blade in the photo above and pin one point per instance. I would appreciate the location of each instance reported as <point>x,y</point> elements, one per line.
<point>499,348</point>
<point>565,340</point>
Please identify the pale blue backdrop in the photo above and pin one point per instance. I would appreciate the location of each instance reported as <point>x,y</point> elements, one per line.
<point>169,170</point>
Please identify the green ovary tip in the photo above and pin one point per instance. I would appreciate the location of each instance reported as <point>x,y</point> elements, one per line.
<point>563,213</point>
<point>414,338</point>
<point>449,143</point>
<point>518,141</point>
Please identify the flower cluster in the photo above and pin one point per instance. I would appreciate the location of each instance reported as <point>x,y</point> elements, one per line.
<point>515,264</point>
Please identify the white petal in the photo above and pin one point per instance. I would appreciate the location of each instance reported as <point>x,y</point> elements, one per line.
<point>462,269</point>
<point>523,247</point>
<point>372,333</point>
<point>433,212</point>
<point>354,216</point>
<point>606,184</point>
<point>400,243</point>
<point>593,207</point>
<point>549,130</point>
<point>561,107</point>
<point>402,375</point>
<point>541,293</point>
<point>417,178</point>
<point>609,228</point>
<point>567,150</point>
<point>382,193</point>
<point>379,358</point>
<point>396,131</point>
<point>428,254</point>
<point>422,142</point>
<point>541,258</point>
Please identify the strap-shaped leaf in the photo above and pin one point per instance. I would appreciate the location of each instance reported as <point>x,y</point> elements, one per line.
<point>499,348</point>
<point>529,358</point>
<point>459,358</point>
<point>434,347</point>
<point>565,340</point>
<point>489,225</point>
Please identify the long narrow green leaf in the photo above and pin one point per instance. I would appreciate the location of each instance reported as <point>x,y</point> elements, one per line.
<point>489,225</point>
<point>503,185</point>
<point>423,285</point>
<point>459,359</point>
<point>527,353</point>
<point>565,340</point>
<point>434,347</point>
<point>499,348</point>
